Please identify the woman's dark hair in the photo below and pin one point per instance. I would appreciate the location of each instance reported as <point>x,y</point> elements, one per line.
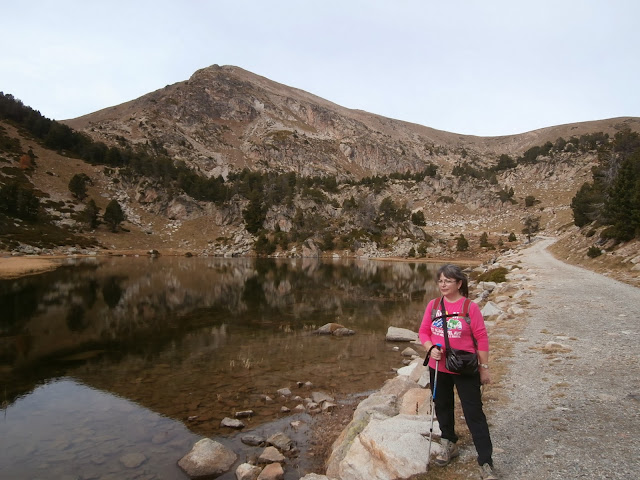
<point>454,272</point>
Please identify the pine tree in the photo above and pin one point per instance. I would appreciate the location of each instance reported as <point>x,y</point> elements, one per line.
<point>531,226</point>
<point>90,214</point>
<point>622,207</point>
<point>78,185</point>
<point>484,239</point>
<point>113,215</point>
<point>255,214</point>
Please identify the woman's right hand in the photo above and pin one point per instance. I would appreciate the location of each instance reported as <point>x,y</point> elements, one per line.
<point>436,353</point>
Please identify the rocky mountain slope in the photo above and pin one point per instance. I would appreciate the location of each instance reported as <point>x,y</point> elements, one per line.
<point>225,119</point>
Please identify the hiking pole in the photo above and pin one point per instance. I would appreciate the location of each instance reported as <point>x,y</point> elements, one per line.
<point>433,397</point>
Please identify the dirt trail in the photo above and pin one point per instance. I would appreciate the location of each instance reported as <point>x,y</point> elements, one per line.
<point>575,412</point>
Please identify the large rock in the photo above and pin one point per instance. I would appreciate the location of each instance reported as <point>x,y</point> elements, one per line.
<point>408,370</point>
<point>409,352</point>
<point>489,286</point>
<point>418,372</point>
<point>416,401</point>
<point>425,378</point>
<point>395,334</point>
<point>381,404</point>
<point>207,459</point>
<point>389,448</point>
<point>378,403</point>
<point>280,441</point>
<point>397,386</point>
<point>489,309</point>
<point>271,455</point>
<point>246,471</point>
<point>273,471</point>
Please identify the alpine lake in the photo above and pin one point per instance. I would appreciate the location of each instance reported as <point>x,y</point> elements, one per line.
<point>113,367</point>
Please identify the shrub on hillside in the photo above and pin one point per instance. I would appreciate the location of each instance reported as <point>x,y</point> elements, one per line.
<point>417,218</point>
<point>462,244</point>
<point>593,252</point>
<point>497,275</point>
<point>484,241</point>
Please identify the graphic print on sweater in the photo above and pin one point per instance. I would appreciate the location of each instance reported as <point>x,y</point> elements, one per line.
<point>454,326</point>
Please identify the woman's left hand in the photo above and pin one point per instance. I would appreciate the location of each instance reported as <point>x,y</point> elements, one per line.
<point>485,376</point>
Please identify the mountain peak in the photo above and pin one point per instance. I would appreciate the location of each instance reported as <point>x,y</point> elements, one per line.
<point>225,118</point>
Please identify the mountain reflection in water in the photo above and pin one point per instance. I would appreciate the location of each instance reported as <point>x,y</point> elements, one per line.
<point>197,339</point>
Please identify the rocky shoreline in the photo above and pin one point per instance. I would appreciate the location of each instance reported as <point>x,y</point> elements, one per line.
<point>387,435</point>
<point>15,264</point>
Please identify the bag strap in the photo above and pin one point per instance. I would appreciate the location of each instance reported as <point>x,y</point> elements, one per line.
<point>443,310</point>
<point>465,308</point>
<point>444,315</point>
<point>465,312</point>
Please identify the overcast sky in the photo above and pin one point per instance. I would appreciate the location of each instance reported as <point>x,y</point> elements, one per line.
<point>474,67</point>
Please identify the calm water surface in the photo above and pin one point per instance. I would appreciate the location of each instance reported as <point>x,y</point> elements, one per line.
<point>113,368</point>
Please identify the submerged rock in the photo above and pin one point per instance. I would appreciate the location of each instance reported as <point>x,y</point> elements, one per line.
<point>280,441</point>
<point>253,440</point>
<point>133,460</point>
<point>207,459</point>
<point>231,423</point>
<point>334,329</point>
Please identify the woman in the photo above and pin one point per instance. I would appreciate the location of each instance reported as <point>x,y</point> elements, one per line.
<point>454,287</point>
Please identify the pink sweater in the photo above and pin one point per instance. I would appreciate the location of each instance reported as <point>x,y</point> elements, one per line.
<point>457,327</point>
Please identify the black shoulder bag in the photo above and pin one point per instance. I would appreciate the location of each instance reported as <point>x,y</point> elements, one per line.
<point>458,361</point>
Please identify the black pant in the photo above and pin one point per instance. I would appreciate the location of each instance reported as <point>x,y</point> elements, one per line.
<point>468,387</point>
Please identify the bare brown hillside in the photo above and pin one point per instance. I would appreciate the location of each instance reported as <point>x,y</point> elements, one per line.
<point>226,118</point>
<point>155,220</point>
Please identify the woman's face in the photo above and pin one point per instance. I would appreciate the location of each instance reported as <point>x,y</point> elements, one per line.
<point>448,286</point>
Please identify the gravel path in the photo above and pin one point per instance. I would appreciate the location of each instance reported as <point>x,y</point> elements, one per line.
<point>574,413</point>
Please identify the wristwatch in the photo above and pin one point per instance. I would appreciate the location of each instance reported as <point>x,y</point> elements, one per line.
<point>483,365</point>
